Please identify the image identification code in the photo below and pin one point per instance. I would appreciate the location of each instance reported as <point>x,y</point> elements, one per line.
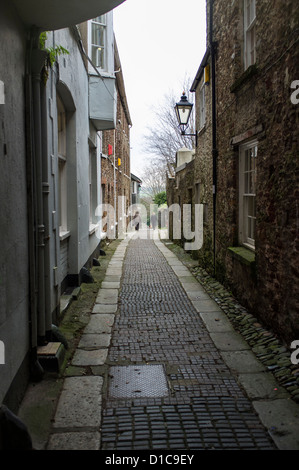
<point>152,459</point>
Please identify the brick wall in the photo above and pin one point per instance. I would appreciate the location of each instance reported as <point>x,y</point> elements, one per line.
<point>116,176</point>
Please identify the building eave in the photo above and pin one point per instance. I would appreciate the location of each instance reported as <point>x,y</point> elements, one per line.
<point>57,14</point>
<point>135,178</point>
<point>200,70</point>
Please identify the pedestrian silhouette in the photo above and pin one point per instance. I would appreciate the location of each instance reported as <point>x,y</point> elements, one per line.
<point>154,221</point>
<point>136,221</point>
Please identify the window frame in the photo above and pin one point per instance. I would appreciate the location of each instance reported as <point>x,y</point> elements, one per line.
<point>249,33</point>
<point>103,25</point>
<point>247,221</point>
<point>202,106</point>
<point>62,164</point>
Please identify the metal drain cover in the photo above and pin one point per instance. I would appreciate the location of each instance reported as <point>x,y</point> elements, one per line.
<point>137,381</point>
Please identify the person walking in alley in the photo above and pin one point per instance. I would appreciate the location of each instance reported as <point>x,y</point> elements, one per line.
<point>154,221</point>
<point>136,222</point>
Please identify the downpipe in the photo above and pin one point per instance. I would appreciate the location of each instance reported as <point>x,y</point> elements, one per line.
<point>34,364</point>
<point>38,59</point>
<point>46,192</point>
<point>34,62</point>
<point>214,131</point>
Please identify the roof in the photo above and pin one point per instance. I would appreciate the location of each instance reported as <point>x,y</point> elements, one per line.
<point>200,70</point>
<point>135,178</point>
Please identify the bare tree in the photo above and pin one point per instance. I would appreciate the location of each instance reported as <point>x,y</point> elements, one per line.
<point>164,138</point>
<point>153,179</point>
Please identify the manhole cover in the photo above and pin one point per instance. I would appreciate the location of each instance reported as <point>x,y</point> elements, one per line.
<point>137,381</point>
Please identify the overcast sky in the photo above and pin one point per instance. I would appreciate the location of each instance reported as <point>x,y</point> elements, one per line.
<point>160,43</point>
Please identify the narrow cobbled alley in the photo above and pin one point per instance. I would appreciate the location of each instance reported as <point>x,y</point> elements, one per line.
<point>161,342</point>
<point>169,387</point>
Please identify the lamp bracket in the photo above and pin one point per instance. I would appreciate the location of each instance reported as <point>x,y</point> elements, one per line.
<point>191,135</point>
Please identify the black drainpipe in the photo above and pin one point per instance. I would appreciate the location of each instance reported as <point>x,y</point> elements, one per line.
<point>35,60</point>
<point>214,130</point>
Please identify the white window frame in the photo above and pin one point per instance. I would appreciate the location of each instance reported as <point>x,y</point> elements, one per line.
<point>108,70</point>
<point>102,22</point>
<point>202,106</point>
<point>247,193</point>
<point>62,165</point>
<point>249,33</point>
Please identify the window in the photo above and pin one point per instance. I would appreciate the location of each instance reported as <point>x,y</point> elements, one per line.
<point>247,194</point>
<point>98,41</point>
<point>249,33</point>
<point>62,167</point>
<point>202,107</point>
<point>93,192</point>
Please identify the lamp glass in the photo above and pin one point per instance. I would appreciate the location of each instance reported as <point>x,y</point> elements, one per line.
<point>183,110</point>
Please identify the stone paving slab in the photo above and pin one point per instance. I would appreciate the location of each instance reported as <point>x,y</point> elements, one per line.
<point>94,341</point>
<point>229,341</point>
<point>262,385</point>
<point>188,279</point>
<point>205,305</point>
<point>100,323</point>
<point>216,322</point>
<point>110,285</point>
<point>197,294</point>
<point>75,441</point>
<point>112,278</point>
<point>242,361</point>
<point>80,403</point>
<point>193,286</point>
<point>95,357</point>
<point>175,262</point>
<point>182,271</point>
<point>281,417</point>
<point>113,271</point>
<point>104,308</point>
<point>107,296</point>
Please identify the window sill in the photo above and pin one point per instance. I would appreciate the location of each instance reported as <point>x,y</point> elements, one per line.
<point>93,228</point>
<point>250,72</point>
<point>242,254</point>
<point>63,235</point>
<point>201,130</point>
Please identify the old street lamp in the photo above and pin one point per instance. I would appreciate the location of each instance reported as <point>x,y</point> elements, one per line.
<point>183,111</point>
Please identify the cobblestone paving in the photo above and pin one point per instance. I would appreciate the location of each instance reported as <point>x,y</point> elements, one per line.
<point>204,407</point>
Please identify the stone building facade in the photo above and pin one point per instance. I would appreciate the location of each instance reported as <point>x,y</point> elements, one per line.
<point>246,164</point>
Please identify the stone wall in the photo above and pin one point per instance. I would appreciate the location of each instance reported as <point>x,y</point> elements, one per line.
<point>252,104</point>
<point>203,167</point>
<point>256,103</point>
